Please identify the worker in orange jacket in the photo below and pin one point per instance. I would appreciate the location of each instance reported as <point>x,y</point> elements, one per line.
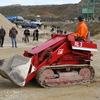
<point>82,30</point>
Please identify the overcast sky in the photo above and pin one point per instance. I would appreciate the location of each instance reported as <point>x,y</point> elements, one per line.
<point>36,2</point>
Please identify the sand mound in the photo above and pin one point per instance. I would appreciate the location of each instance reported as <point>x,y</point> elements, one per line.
<point>7,26</point>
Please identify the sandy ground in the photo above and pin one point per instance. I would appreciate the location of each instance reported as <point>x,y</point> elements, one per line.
<point>32,91</point>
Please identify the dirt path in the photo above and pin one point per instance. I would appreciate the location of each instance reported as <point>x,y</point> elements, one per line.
<point>31,91</point>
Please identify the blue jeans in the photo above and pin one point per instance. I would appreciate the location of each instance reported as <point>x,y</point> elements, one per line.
<point>14,43</point>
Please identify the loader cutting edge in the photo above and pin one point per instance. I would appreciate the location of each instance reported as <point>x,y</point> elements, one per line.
<point>15,69</point>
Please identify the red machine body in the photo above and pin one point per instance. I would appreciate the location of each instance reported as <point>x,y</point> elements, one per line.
<point>61,60</point>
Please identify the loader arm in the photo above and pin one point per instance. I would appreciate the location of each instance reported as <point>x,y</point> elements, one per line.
<point>47,44</point>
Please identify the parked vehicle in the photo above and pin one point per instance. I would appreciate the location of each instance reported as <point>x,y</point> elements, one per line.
<point>31,25</point>
<point>59,61</point>
<point>38,23</point>
<point>15,18</point>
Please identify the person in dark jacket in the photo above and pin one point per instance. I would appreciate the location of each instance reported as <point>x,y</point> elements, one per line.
<point>35,34</point>
<point>26,33</point>
<point>2,35</point>
<point>12,34</point>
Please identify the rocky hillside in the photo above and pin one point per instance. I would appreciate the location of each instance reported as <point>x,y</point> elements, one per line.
<point>51,13</point>
<point>93,26</point>
<point>47,12</point>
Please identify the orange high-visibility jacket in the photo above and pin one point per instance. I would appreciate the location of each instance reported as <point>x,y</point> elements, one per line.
<point>82,31</point>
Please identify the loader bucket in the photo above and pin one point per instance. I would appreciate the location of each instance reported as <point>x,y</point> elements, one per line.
<point>15,69</point>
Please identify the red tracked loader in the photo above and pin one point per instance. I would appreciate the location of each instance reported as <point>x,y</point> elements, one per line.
<point>60,60</point>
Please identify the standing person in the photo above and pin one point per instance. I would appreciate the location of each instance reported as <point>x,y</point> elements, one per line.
<point>12,34</point>
<point>82,30</point>
<point>58,27</point>
<point>65,32</point>
<point>45,26</point>
<point>51,29</point>
<point>2,35</point>
<point>61,31</point>
<point>26,33</point>
<point>58,31</point>
<point>35,34</point>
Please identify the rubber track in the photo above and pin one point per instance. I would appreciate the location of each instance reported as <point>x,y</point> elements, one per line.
<point>38,75</point>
